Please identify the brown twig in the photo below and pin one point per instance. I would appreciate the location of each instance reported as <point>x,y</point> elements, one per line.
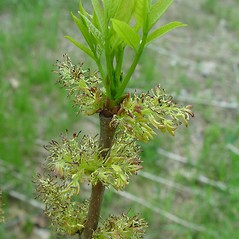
<point>97,192</point>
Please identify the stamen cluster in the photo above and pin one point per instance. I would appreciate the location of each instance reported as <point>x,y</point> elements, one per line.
<point>122,161</point>
<point>140,115</point>
<point>79,160</point>
<point>74,161</point>
<point>67,216</point>
<point>83,85</point>
<point>121,227</point>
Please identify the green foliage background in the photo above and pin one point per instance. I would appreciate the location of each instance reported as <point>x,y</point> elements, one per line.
<point>197,64</point>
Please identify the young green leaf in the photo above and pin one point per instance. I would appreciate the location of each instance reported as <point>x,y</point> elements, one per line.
<point>98,12</point>
<point>126,33</point>
<point>93,30</point>
<point>111,7</point>
<point>83,11</point>
<point>125,10</point>
<point>82,47</point>
<point>141,12</point>
<point>88,37</point>
<point>157,10</point>
<point>164,29</point>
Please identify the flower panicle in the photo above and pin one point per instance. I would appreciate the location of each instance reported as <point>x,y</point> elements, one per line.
<point>83,85</point>
<point>79,159</point>
<point>122,226</point>
<point>67,216</point>
<point>121,163</point>
<point>140,115</point>
<point>74,160</point>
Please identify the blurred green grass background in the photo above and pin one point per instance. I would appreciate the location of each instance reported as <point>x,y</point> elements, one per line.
<point>189,186</point>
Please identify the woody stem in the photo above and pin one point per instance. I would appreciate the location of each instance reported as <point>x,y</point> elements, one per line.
<point>97,191</point>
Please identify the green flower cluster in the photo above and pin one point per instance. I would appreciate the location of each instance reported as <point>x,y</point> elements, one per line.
<point>140,115</point>
<point>67,216</point>
<point>121,227</point>
<point>74,161</point>
<point>121,162</point>
<point>82,84</point>
<point>77,161</point>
